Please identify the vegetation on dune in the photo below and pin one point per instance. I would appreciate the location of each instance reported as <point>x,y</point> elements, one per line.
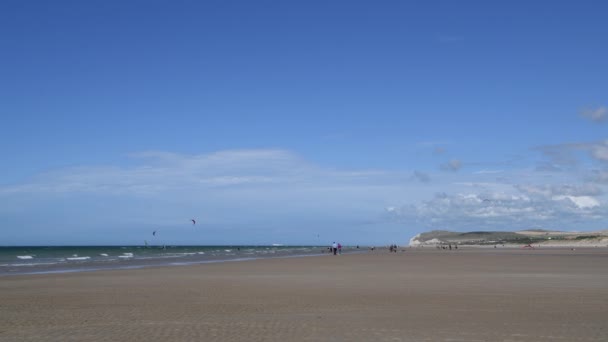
<point>586,237</point>
<point>496,237</point>
<point>538,230</point>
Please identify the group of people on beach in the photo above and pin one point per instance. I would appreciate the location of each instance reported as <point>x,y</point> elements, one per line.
<point>335,248</point>
<point>449,246</point>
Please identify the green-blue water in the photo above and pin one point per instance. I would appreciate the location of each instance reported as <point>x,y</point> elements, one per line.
<point>26,260</point>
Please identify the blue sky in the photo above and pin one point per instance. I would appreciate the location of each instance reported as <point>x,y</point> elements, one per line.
<point>299,122</point>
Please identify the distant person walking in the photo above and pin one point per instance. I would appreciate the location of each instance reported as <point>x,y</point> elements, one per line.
<point>334,247</point>
<point>339,248</point>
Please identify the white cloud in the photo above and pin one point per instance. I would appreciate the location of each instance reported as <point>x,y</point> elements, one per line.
<point>595,114</point>
<point>582,202</point>
<point>599,150</point>
<point>548,191</point>
<point>522,207</point>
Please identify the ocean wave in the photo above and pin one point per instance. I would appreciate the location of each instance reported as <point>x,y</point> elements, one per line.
<point>118,257</point>
<point>29,264</point>
<point>76,258</point>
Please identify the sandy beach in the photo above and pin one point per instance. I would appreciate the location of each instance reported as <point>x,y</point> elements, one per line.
<point>417,295</point>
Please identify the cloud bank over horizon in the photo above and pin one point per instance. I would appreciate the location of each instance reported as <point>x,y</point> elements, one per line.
<point>265,190</point>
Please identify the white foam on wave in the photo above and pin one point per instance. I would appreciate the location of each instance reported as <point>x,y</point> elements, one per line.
<point>103,254</point>
<point>200,253</point>
<point>25,257</point>
<point>79,258</point>
<point>170,255</point>
<point>28,264</point>
<point>228,250</point>
<point>126,255</point>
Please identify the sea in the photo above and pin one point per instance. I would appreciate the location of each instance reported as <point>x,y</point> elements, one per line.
<point>65,259</point>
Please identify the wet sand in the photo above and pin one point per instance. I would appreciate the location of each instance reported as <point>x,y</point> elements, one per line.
<point>417,295</point>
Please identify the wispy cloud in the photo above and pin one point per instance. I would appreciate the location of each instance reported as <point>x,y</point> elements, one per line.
<point>484,172</point>
<point>599,114</point>
<point>438,146</point>
<point>549,191</point>
<point>452,165</point>
<point>547,167</point>
<point>599,176</point>
<point>156,172</point>
<point>599,150</point>
<point>438,150</point>
<point>422,177</point>
<point>565,155</point>
<point>163,171</point>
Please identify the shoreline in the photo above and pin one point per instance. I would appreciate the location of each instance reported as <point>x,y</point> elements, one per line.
<point>92,266</point>
<point>151,265</point>
<point>172,262</point>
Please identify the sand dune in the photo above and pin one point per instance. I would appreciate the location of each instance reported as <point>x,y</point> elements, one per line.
<point>540,237</point>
